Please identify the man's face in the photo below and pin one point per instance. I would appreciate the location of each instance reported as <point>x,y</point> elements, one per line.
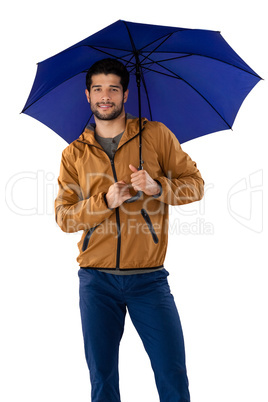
<point>106,97</point>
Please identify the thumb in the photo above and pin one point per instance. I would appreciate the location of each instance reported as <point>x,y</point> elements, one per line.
<point>131,167</point>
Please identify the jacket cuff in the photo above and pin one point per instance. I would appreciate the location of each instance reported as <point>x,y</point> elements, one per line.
<point>106,202</point>
<point>161,190</point>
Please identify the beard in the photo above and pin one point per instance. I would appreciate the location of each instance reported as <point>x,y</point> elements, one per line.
<point>117,110</point>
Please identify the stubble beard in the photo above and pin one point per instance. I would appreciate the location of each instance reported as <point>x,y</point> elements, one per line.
<point>111,116</point>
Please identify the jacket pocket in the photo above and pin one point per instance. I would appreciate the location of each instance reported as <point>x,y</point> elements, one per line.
<point>150,225</point>
<point>87,237</point>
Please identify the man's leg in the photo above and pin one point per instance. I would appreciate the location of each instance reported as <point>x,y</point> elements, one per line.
<point>103,316</point>
<point>154,314</point>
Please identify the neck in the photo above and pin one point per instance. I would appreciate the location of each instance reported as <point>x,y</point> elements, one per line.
<point>110,128</point>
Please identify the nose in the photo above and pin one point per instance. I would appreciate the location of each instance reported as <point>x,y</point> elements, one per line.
<point>105,95</point>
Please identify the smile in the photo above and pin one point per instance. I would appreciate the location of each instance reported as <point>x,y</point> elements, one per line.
<point>105,106</point>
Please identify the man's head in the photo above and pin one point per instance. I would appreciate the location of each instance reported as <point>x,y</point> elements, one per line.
<point>107,82</point>
<point>108,66</point>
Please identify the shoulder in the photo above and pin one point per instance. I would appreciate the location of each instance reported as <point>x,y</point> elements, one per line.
<point>160,132</point>
<point>155,127</point>
<point>74,150</point>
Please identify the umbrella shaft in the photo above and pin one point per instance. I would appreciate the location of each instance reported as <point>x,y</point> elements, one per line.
<point>138,80</point>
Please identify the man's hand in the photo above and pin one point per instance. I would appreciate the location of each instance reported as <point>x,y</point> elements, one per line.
<point>142,181</point>
<point>117,194</point>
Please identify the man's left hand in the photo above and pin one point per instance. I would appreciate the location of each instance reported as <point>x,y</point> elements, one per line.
<point>142,181</point>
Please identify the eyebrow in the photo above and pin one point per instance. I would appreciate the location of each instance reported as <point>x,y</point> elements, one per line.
<point>111,86</point>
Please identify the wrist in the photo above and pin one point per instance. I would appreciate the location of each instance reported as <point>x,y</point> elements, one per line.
<point>159,189</point>
<point>156,189</point>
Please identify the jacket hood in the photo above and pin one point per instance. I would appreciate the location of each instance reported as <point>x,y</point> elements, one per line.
<point>132,129</point>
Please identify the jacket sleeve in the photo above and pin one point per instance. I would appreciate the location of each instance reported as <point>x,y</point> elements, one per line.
<point>182,182</point>
<point>73,211</point>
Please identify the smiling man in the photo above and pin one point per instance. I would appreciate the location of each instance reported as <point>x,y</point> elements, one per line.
<point>123,245</point>
<point>106,97</point>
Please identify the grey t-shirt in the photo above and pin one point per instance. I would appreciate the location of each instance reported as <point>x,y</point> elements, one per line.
<point>110,146</point>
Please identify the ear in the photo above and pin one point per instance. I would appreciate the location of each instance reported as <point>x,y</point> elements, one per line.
<point>126,95</point>
<point>87,95</point>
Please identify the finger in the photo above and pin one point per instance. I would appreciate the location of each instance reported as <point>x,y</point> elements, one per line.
<point>123,190</point>
<point>120,185</point>
<point>136,178</point>
<point>135,183</point>
<point>139,173</point>
<point>136,186</point>
<point>131,167</point>
<point>136,175</point>
<point>125,194</point>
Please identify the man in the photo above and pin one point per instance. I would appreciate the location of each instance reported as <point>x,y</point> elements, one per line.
<point>123,246</point>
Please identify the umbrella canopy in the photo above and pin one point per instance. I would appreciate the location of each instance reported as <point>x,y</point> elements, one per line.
<point>191,80</point>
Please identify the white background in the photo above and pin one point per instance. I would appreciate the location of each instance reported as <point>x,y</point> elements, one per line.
<point>217,256</point>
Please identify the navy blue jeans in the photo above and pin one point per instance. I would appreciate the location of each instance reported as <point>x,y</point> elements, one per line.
<point>104,299</point>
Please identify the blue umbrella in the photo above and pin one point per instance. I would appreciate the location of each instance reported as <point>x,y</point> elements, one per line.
<point>189,79</point>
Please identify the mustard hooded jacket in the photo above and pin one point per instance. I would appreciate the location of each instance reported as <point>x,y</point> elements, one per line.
<point>133,235</point>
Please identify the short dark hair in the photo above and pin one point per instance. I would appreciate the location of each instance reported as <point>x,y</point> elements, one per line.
<point>108,66</point>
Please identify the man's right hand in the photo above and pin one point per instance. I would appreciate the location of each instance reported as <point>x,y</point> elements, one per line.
<point>117,194</point>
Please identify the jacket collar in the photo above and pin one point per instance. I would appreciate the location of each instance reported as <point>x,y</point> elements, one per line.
<point>131,130</point>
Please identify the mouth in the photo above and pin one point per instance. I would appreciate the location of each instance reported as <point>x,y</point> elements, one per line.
<point>105,106</point>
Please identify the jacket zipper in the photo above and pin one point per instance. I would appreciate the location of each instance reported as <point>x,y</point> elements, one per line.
<point>150,225</point>
<point>117,222</point>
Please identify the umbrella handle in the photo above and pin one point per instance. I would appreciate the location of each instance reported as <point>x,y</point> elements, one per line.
<point>134,198</point>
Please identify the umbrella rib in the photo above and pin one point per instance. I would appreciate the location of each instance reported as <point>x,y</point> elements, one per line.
<point>164,36</point>
<point>128,62</point>
<point>199,93</point>
<point>110,54</point>
<point>160,72</point>
<point>110,48</point>
<point>154,50</point>
<point>171,58</point>
<point>212,58</point>
<point>52,89</point>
